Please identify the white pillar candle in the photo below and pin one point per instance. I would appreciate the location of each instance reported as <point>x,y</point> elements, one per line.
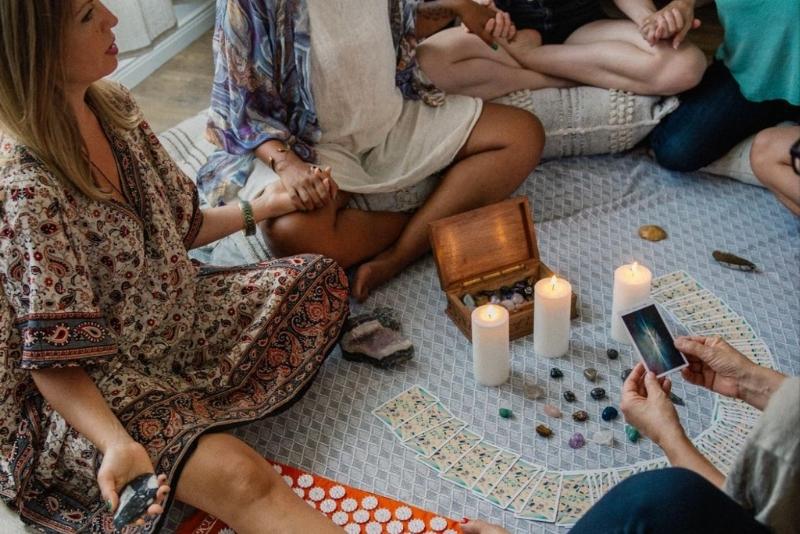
<point>631,289</point>
<point>491,359</point>
<point>552,299</point>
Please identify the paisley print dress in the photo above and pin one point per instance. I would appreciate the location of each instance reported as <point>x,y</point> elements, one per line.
<point>176,348</point>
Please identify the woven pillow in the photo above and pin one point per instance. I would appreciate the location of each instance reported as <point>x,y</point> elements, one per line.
<point>581,121</point>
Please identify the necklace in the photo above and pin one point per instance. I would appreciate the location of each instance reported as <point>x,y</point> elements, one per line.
<point>108,181</point>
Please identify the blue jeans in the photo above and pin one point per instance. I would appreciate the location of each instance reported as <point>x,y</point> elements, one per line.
<point>667,501</point>
<point>713,118</point>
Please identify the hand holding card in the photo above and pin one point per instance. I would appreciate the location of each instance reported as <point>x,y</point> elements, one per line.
<point>646,405</point>
<point>652,340</point>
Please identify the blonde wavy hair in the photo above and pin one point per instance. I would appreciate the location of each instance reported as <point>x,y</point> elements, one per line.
<point>33,108</point>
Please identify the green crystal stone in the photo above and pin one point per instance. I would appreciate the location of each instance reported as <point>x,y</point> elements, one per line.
<point>505,413</point>
<point>632,433</point>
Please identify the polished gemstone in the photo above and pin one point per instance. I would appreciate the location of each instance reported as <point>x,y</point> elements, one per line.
<point>577,441</point>
<point>469,301</point>
<point>651,232</point>
<point>590,373</point>
<point>517,298</point>
<point>569,396</point>
<point>534,391</point>
<point>481,300</point>
<point>676,399</point>
<point>552,410</point>
<point>555,372</point>
<point>508,304</point>
<point>506,293</point>
<point>609,413</point>
<point>598,393</point>
<point>603,437</point>
<point>625,373</point>
<point>632,433</point>
<point>544,431</point>
<point>134,499</point>
<point>580,416</point>
<point>494,299</point>
<point>505,413</point>
<point>612,354</point>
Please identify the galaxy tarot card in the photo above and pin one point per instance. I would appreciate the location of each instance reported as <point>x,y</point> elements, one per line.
<point>653,340</point>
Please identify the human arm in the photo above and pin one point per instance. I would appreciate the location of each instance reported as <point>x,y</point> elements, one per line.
<point>73,394</point>
<point>257,102</point>
<point>274,201</point>
<point>646,405</point>
<point>436,15</point>
<point>717,366</point>
<point>46,282</point>
<point>309,186</point>
<point>636,10</point>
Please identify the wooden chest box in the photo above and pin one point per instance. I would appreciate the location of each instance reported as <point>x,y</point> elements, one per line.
<point>484,250</point>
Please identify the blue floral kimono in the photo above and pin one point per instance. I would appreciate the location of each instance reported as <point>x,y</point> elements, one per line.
<point>262,85</point>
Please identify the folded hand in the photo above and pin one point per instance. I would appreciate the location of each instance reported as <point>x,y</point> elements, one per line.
<point>673,22</point>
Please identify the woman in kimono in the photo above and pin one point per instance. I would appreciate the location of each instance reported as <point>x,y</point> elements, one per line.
<point>121,356</point>
<point>307,90</point>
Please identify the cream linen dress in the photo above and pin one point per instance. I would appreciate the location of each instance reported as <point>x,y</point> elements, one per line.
<point>379,145</point>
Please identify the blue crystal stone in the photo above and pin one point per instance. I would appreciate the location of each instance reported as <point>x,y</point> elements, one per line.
<point>609,413</point>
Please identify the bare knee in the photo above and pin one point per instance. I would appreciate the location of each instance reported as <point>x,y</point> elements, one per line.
<point>678,70</point>
<point>302,233</point>
<point>241,475</point>
<point>525,136</point>
<point>245,481</point>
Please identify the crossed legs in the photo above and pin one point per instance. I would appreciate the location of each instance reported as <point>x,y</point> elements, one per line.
<point>500,153</point>
<point>458,62</point>
<point>605,53</point>
<point>228,479</point>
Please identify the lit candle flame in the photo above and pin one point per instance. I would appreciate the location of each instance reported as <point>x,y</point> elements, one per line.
<point>553,282</point>
<point>634,267</point>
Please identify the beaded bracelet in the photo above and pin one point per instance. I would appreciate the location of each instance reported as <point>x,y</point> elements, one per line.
<point>249,219</point>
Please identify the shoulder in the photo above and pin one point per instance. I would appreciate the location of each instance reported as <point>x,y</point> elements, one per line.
<point>26,184</point>
<point>122,95</point>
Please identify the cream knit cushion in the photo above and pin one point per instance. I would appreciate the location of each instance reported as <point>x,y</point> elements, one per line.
<point>581,121</point>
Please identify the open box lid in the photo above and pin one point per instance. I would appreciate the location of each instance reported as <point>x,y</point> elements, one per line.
<point>495,238</point>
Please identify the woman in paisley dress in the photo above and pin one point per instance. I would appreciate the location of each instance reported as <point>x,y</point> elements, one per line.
<point>120,355</point>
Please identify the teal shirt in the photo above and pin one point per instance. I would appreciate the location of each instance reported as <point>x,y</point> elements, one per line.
<point>761,47</point>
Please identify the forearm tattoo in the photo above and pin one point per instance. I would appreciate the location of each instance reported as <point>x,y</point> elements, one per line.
<point>435,13</point>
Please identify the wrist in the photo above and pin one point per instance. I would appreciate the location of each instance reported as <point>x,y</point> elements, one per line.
<point>276,154</point>
<point>672,438</point>
<point>118,439</point>
<point>757,384</point>
<point>638,12</point>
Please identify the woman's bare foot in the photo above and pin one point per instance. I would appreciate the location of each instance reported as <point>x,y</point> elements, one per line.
<point>523,42</point>
<point>482,527</point>
<point>374,273</point>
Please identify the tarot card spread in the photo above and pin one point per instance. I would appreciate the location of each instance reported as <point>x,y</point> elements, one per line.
<point>460,456</point>
<point>404,406</point>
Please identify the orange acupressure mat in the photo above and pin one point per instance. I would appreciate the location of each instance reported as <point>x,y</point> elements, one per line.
<point>354,510</point>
